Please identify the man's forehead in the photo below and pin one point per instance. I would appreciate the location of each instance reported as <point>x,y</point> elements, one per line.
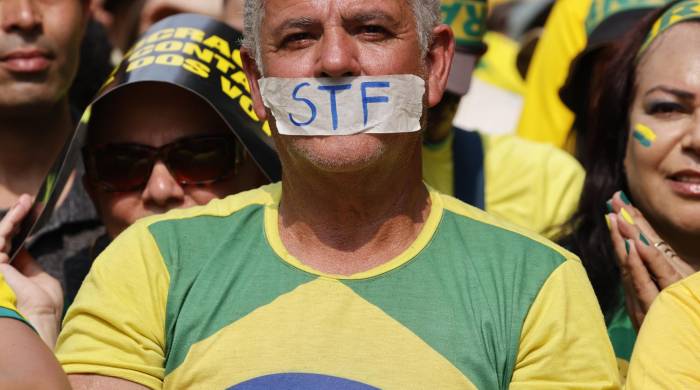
<point>277,12</point>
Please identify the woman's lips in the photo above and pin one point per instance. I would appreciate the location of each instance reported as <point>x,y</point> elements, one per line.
<point>686,183</point>
<point>25,61</point>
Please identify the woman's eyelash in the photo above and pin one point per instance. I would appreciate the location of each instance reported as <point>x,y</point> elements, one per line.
<point>664,107</point>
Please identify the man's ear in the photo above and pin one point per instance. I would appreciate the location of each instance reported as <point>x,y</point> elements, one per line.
<point>252,73</point>
<point>439,62</point>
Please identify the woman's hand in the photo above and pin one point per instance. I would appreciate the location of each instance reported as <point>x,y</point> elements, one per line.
<point>10,224</point>
<point>647,264</point>
<point>39,295</point>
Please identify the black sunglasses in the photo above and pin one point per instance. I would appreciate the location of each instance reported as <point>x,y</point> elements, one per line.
<point>122,167</point>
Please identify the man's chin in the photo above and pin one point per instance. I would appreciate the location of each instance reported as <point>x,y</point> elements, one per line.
<point>30,98</point>
<point>338,154</point>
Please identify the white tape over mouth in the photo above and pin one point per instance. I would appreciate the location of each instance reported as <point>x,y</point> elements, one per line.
<point>344,106</point>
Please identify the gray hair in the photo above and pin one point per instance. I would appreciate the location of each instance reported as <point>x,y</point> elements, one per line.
<point>427,13</point>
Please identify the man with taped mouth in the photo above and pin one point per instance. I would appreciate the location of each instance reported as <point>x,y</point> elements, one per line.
<point>350,273</point>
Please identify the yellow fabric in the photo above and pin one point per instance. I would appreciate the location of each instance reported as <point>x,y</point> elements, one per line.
<point>552,355</point>
<point>438,166</point>
<point>308,303</point>
<point>545,118</point>
<point>498,66</point>
<point>121,309</point>
<point>667,352</point>
<point>110,302</point>
<point>8,300</point>
<point>529,184</point>
<point>108,314</point>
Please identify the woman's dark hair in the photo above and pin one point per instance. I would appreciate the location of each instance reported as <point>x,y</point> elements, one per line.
<point>586,233</point>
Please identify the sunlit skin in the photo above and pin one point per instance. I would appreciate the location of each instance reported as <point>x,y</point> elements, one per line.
<point>39,45</point>
<point>158,115</point>
<point>664,179</point>
<point>366,189</point>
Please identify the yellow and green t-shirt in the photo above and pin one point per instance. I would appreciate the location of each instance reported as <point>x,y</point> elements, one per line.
<point>532,185</point>
<point>667,352</point>
<point>8,302</point>
<point>210,298</point>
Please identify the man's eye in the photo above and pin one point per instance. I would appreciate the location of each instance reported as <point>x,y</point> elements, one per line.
<point>374,30</point>
<point>296,39</point>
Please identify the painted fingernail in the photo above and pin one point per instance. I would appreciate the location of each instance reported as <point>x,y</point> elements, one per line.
<point>643,239</point>
<point>627,247</point>
<point>609,206</point>
<point>607,222</point>
<point>626,216</point>
<point>624,197</point>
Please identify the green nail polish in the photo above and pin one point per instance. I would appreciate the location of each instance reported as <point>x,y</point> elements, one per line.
<point>627,247</point>
<point>608,205</point>
<point>643,239</point>
<point>624,197</point>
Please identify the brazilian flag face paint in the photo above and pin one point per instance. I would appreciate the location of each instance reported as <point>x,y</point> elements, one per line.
<point>644,135</point>
<point>681,12</point>
<point>467,18</point>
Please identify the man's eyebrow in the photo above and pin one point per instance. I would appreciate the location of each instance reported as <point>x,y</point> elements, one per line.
<point>365,16</point>
<point>683,95</point>
<point>301,22</point>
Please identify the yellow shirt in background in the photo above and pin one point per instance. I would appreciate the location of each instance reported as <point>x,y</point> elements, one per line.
<point>667,352</point>
<point>545,118</point>
<point>498,65</point>
<point>532,185</point>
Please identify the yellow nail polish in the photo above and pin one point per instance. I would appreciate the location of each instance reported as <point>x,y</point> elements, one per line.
<point>626,216</point>
<point>607,221</point>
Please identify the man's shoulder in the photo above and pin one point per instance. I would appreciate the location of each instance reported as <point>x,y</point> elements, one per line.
<point>217,208</point>
<point>490,238</point>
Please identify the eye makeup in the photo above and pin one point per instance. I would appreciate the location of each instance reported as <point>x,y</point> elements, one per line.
<point>644,135</point>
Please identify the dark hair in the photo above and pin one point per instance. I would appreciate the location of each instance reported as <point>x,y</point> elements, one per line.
<point>586,232</point>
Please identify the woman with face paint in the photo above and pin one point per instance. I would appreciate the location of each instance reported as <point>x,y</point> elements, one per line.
<point>638,223</point>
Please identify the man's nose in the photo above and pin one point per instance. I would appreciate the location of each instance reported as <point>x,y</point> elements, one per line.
<point>337,55</point>
<point>162,190</point>
<point>20,15</point>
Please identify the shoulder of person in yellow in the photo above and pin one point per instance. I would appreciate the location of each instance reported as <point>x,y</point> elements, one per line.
<point>545,118</point>
<point>666,352</point>
<point>515,176</point>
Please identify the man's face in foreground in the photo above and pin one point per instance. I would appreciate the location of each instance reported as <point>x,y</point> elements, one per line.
<point>39,49</point>
<point>339,38</point>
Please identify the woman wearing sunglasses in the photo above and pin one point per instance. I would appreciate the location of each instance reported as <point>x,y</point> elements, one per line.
<point>159,137</point>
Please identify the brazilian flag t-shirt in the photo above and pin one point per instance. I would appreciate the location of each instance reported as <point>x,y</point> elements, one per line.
<point>210,298</point>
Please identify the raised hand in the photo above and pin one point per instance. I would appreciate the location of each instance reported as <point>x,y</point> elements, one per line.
<point>647,263</point>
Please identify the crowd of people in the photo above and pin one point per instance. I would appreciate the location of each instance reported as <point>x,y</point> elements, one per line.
<point>292,194</point>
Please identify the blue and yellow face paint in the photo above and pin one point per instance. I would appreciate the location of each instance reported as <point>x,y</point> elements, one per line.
<point>644,134</point>
<point>680,12</point>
